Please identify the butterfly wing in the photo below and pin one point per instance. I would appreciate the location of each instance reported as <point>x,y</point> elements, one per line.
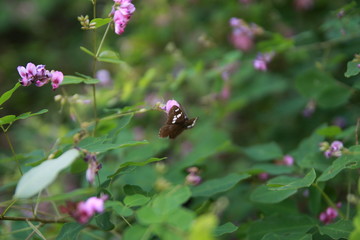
<point>176,122</point>
<point>171,131</point>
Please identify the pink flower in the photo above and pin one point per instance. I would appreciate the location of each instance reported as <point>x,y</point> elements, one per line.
<point>193,178</point>
<point>122,12</point>
<point>303,4</point>
<point>56,79</point>
<point>261,61</point>
<point>332,150</point>
<point>39,76</point>
<point>83,211</point>
<point>263,176</point>
<point>328,215</point>
<point>243,34</point>
<point>170,104</point>
<point>288,160</point>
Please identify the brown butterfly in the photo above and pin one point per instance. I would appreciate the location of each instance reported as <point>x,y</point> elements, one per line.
<point>176,123</point>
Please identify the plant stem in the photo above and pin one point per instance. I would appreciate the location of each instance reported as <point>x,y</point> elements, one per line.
<point>35,219</point>
<point>12,149</point>
<point>94,67</point>
<point>7,208</point>
<point>328,200</point>
<point>102,41</point>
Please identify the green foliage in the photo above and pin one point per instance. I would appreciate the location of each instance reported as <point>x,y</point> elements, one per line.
<point>219,185</point>
<point>226,178</point>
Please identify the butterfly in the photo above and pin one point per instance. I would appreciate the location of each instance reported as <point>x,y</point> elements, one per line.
<point>177,122</point>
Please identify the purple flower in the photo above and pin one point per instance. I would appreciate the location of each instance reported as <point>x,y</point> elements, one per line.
<point>336,145</point>
<point>328,215</point>
<point>243,34</point>
<point>288,160</point>
<point>82,212</point>
<point>332,150</point>
<point>263,176</point>
<point>309,109</point>
<point>169,105</point>
<point>261,61</point>
<point>193,178</point>
<point>39,76</point>
<point>122,12</point>
<point>56,79</point>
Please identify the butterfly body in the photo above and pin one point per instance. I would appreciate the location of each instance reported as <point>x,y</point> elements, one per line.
<point>176,123</point>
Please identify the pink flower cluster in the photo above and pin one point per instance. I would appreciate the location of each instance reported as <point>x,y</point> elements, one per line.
<point>83,211</point>
<point>332,150</point>
<point>261,61</point>
<point>329,214</point>
<point>122,12</point>
<point>243,34</point>
<point>39,76</point>
<point>193,178</point>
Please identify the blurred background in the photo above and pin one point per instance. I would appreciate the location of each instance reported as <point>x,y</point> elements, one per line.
<point>188,51</point>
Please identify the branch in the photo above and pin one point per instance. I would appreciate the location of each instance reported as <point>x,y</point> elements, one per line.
<point>34,219</point>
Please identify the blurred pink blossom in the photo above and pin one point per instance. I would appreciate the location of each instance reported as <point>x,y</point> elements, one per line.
<point>82,212</point>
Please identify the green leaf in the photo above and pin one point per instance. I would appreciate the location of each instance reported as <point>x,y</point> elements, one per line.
<point>103,221</point>
<point>333,96</point>
<point>347,160</point>
<point>7,119</point>
<point>264,152</point>
<point>136,232</point>
<point>323,88</point>
<point>5,96</point>
<point>355,234</point>
<point>41,176</point>
<point>339,230</point>
<point>225,228</point>
<point>99,22</point>
<point>290,224</point>
<point>12,118</point>
<point>135,200</point>
<point>29,114</point>
<point>203,227</point>
<point>137,164</point>
<point>313,82</point>
<point>212,187</point>
<point>69,195</point>
<point>70,231</point>
<point>289,183</point>
<point>331,131</point>
<point>100,145</point>
<point>170,200</point>
<point>271,168</point>
<point>119,208</point>
<point>70,79</point>
<point>182,218</point>
<point>277,43</point>
<point>133,189</point>
<point>164,206</point>
<point>110,57</point>
<point>287,236</point>
<point>87,51</point>
<point>352,69</point>
<point>263,194</point>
